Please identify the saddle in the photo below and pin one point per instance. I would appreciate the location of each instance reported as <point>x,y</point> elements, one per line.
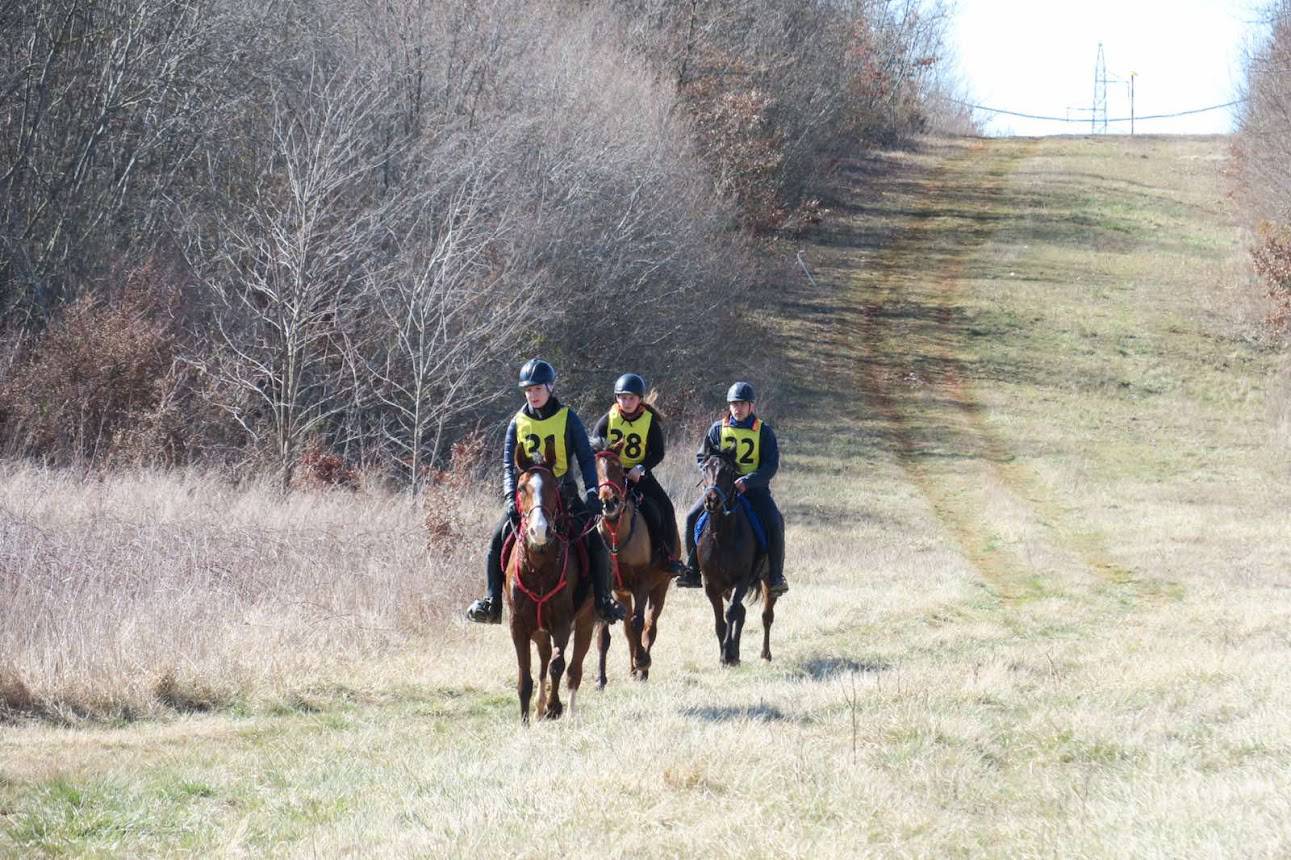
<point>759,532</point>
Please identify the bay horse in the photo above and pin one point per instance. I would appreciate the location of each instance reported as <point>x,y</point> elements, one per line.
<point>548,589</point>
<point>640,581</point>
<point>729,560</point>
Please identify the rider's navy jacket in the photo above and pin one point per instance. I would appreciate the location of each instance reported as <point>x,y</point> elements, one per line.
<point>575,442</point>
<point>768,451</point>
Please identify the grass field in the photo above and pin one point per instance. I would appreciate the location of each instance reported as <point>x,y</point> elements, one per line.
<point>1037,480</point>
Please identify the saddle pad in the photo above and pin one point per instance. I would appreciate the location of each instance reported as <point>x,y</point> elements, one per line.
<point>758,531</point>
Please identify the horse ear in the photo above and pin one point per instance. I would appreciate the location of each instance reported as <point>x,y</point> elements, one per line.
<point>549,450</point>
<point>523,463</point>
<point>617,447</point>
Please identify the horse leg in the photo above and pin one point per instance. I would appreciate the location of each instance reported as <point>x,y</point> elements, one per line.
<point>560,638</point>
<point>544,658</point>
<point>734,626</point>
<point>602,646</point>
<point>584,625</point>
<point>524,678</point>
<point>641,656</point>
<point>719,619</point>
<point>657,597</point>
<point>768,616</point>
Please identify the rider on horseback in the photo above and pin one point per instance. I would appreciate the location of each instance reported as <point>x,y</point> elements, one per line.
<point>638,428</point>
<point>544,425</point>
<point>758,457</point>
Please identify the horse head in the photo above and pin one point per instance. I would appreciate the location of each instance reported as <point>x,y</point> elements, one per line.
<point>720,472</point>
<point>611,479</point>
<point>537,498</point>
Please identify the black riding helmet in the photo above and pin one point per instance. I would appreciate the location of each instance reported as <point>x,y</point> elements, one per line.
<point>630,383</point>
<point>537,372</point>
<point>740,391</point>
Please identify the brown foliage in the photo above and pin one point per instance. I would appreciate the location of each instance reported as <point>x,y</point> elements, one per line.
<point>101,378</point>
<point>1271,258</point>
<point>320,468</point>
<point>444,522</point>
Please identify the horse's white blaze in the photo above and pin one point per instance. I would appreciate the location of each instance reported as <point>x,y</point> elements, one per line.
<point>539,529</point>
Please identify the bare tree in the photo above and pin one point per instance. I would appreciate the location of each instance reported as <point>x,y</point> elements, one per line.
<point>443,311</point>
<point>285,274</point>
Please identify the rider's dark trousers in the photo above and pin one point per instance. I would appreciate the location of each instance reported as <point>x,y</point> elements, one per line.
<point>493,563</point>
<point>598,556</point>
<point>661,515</point>
<point>764,506</point>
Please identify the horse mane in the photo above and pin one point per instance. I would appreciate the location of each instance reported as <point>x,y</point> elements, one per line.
<point>726,456</point>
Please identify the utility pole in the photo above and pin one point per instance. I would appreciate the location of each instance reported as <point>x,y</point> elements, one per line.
<point>1132,76</point>
<point>1100,93</point>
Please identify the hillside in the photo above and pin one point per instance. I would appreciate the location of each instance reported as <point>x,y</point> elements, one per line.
<point>1039,556</point>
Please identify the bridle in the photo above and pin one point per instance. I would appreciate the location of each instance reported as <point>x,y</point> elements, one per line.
<point>611,529</point>
<point>556,518</point>
<point>714,465</point>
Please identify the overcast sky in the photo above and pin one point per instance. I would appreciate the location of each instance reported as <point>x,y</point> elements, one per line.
<point>1038,57</point>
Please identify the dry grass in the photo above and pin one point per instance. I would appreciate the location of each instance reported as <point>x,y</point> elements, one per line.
<point>141,592</point>
<point>1039,582</point>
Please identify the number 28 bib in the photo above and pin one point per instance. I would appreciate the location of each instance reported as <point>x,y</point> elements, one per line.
<point>746,443</point>
<point>632,434</point>
<point>539,437</point>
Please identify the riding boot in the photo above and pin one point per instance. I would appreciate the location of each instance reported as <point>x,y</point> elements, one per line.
<point>488,609</point>
<point>607,607</point>
<point>775,559</point>
<point>689,577</point>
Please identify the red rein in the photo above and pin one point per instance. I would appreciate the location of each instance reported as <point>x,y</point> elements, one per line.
<point>612,528</point>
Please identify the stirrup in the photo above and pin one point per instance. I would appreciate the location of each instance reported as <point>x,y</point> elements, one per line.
<point>610,610</point>
<point>690,579</point>
<point>485,611</point>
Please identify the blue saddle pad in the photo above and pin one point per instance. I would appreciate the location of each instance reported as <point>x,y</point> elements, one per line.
<point>758,531</point>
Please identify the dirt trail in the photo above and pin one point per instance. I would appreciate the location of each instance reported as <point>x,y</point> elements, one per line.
<point>914,364</point>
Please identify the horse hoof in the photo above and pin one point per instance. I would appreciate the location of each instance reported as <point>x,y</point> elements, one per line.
<point>554,712</point>
<point>600,683</point>
<point>644,661</point>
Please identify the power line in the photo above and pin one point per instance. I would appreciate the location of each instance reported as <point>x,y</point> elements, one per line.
<point>1113,119</point>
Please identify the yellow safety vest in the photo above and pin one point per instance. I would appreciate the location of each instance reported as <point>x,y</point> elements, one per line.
<point>746,443</point>
<point>633,434</point>
<point>539,437</point>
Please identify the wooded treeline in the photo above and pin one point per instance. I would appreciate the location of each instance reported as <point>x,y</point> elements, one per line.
<point>231,231</point>
<point>1264,161</point>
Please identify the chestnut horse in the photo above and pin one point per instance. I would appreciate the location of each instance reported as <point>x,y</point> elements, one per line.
<point>639,580</point>
<point>548,590</point>
<point>729,560</point>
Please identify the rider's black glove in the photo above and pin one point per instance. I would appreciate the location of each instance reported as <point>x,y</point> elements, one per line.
<point>593,502</point>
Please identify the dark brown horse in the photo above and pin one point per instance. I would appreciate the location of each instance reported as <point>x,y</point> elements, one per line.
<point>729,560</point>
<point>547,590</point>
<point>639,579</point>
